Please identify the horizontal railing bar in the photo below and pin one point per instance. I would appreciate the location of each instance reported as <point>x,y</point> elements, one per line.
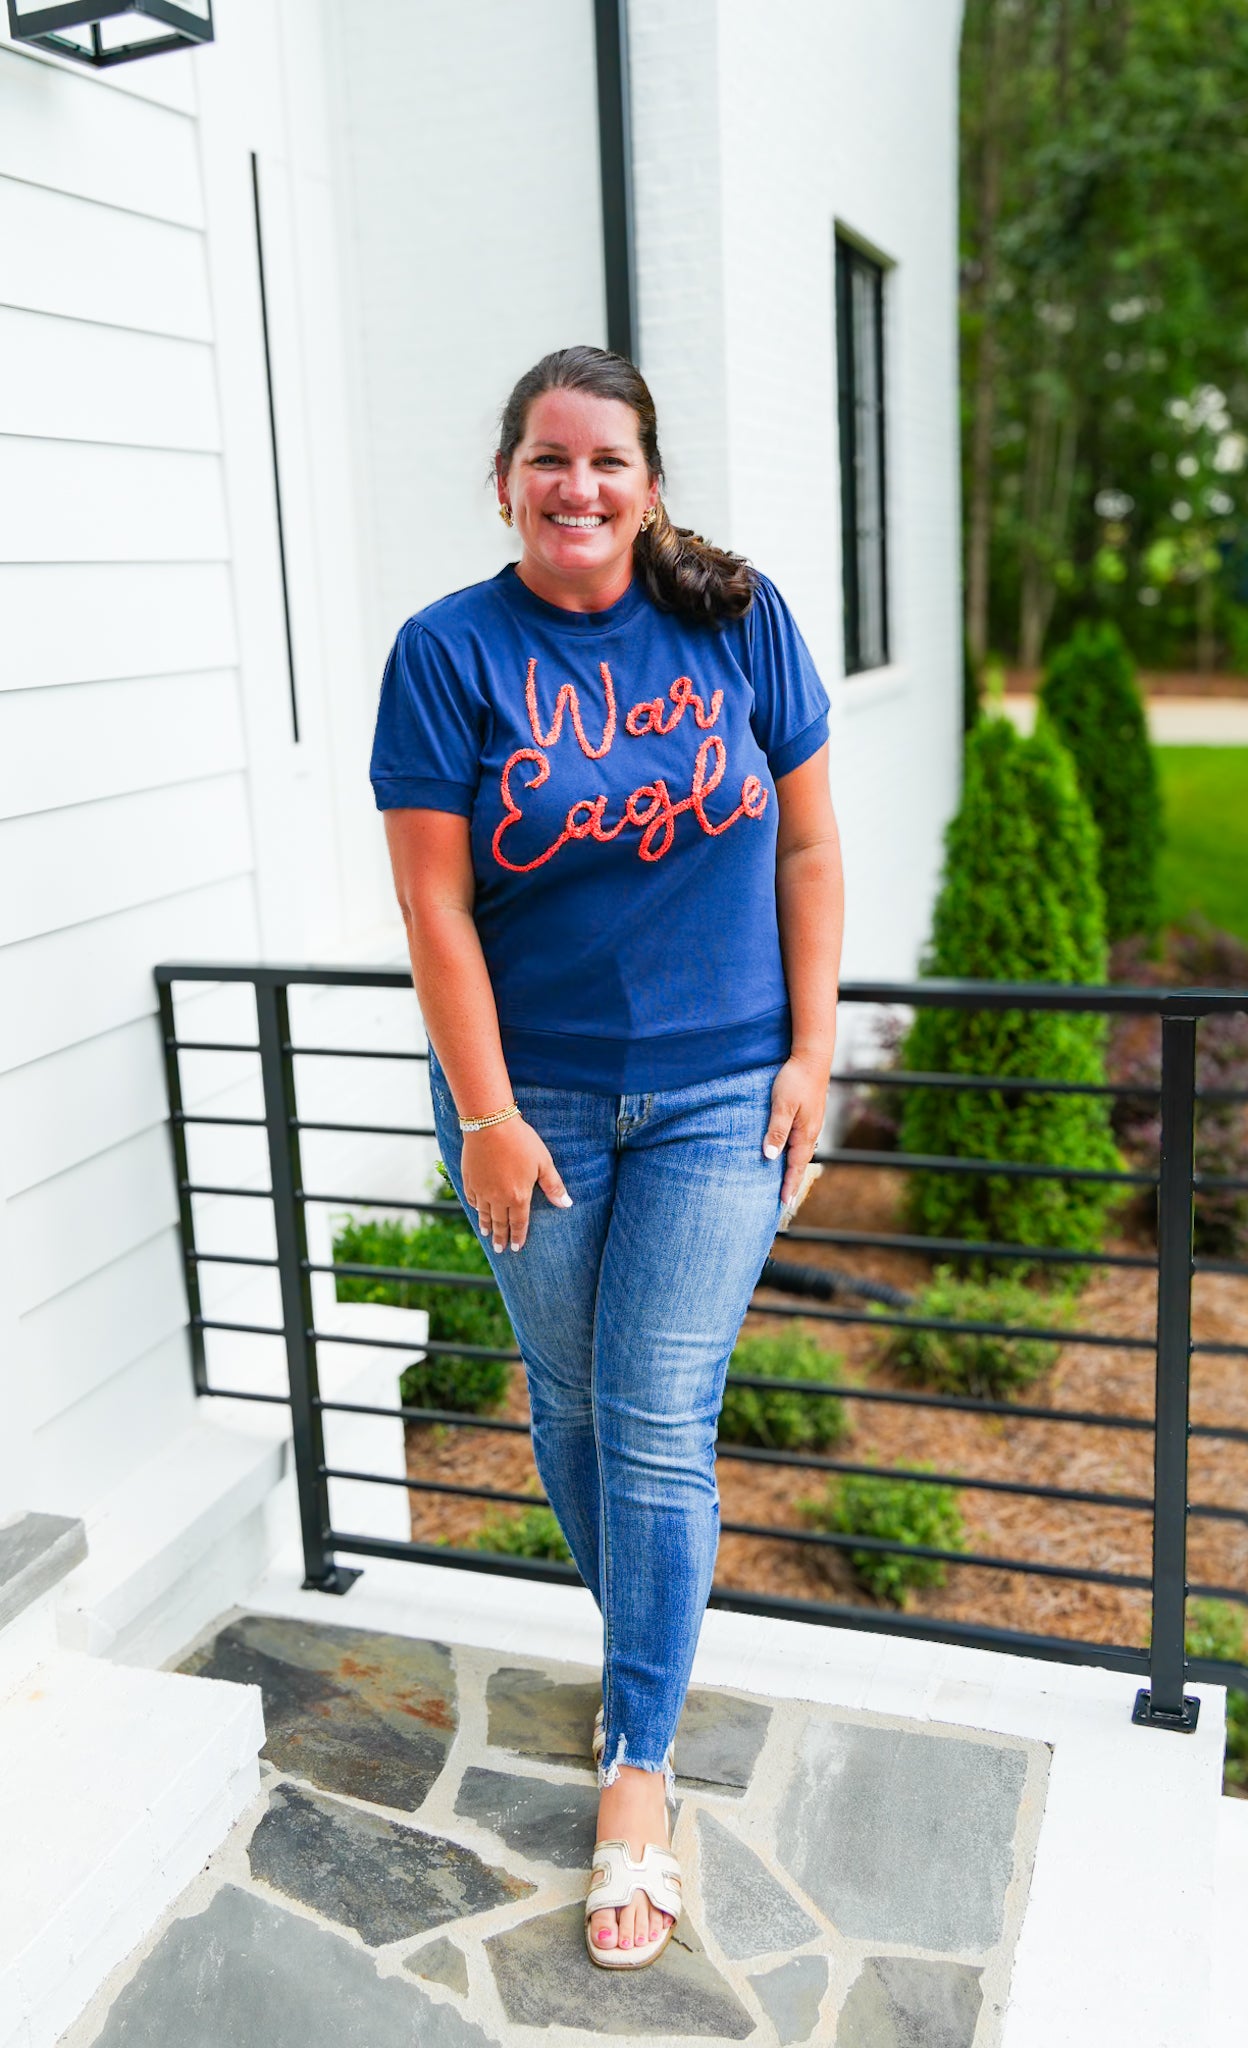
<point>298,1123</point>
<point>821,1613</point>
<point>349,1052</point>
<point>420,1276</point>
<point>227,1259</point>
<point>200,1187</point>
<point>447,1486</point>
<point>818,1538</point>
<point>370,1202</point>
<point>189,1116</point>
<point>210,1045</point>
<point>1209,1348</point>
<point>886,1320</point>
<point>891,1396</point>
<point>933,993</point>
<point>456,1417</point>
<point>244,1329</point>
<point>799,1460</point>
<point>1232,1593</point>
<point>1235,1266</point>
<point>1002,1169</point>
<point>942,1247</point>
<point>1236,1182</point>
<point>242,1394</point>
<point>1011,1084</point>
<point>1004,1084</point>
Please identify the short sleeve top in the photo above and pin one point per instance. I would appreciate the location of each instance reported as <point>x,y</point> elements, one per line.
<point>617,769</point>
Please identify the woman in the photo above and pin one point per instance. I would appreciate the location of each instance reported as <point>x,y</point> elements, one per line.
<point>604,774</point>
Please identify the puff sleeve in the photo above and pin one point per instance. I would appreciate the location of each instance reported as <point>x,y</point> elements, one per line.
<point>431,725</point>
<point>790,714</point>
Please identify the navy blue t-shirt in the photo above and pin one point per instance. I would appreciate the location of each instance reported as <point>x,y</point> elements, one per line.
<point>618,771</point>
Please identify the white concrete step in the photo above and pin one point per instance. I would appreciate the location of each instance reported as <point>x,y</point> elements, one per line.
<point>1230,1921</point>
<point>117,1785</point>
<point>178,1542</point>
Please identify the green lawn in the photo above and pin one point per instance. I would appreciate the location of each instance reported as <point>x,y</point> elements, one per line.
<point>1204,862</point>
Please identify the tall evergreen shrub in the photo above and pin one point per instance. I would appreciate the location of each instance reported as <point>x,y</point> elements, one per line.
<point>1019,901</point>
<point>1090,693</point>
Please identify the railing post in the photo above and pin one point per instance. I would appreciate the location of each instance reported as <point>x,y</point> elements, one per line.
<point>1163,1703</point>
<point>286,1180</point>
<point>182,1177</point>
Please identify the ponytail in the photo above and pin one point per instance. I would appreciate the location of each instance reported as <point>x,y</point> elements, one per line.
<point>687,574</point>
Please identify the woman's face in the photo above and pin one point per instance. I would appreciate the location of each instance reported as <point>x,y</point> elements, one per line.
<point>577,486</point>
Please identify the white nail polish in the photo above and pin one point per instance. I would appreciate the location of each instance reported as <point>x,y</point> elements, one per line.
<point>770,1151</point>
<point>563,1201</point>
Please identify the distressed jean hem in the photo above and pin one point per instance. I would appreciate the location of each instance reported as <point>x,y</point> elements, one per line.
<point>608,1773</point>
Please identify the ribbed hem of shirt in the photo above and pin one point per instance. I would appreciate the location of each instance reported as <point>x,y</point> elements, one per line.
<point>423,793</point>
<point>800,748</point>
<point>630,1066</point>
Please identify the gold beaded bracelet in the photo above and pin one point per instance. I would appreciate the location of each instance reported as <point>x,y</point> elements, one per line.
<point>482,1123</point>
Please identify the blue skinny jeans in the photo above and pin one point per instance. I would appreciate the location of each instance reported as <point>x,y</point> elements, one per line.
<point>626,1307</point>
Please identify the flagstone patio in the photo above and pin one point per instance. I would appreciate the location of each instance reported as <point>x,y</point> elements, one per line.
<point>413,1870</point>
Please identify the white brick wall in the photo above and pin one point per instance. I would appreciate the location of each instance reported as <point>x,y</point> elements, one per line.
<point>757,129</point>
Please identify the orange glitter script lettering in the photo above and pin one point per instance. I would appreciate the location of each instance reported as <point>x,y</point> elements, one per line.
<point>648,715</point>
<point>567,695</point>
<point>649,807</point>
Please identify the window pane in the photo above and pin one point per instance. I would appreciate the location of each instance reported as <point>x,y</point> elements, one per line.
<point>860,339</point>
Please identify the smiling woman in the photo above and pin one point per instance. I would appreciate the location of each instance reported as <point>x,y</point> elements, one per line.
<point>604,773</point>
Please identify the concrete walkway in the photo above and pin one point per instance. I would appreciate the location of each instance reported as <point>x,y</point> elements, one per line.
<point>414,1869</point>
<point>1172,721</point>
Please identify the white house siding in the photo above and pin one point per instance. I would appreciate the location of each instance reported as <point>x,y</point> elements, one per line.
<point>757,131</point>
<point>124,824</point>
<point>467,144</point>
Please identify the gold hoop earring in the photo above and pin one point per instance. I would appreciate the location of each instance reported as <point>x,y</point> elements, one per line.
<point>504,513</point>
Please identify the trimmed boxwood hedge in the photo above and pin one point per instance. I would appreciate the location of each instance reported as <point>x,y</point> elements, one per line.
<point>473,1315</point>
<point>1090,693</point>
<point>784,1420</point>
<point>1019,901</point>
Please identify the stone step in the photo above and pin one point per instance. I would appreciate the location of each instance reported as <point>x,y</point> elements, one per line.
<point>36,1553</point>
<point>117,1785</point>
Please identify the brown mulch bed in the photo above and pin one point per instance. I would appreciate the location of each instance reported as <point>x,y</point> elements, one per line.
<point>1118,1301</point>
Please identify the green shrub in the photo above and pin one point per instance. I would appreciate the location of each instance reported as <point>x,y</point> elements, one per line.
<point>533,1532</point>
<point>783,1421</point>
<point>1217,1629</point>
<point>1089,691</point>
<point>473,1315</point>
<point>1019,901</point>
<point>896,1510</point>
<point>966,1362</point>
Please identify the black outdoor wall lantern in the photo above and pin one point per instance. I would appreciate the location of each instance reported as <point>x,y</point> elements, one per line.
<point>102,32</point>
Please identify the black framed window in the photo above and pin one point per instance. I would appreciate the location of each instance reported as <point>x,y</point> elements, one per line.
<point>864,537</point>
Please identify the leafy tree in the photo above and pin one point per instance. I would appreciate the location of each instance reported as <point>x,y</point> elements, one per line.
<point>1089,693</point>
<point>1105,355</point>
<point>1019,901</point>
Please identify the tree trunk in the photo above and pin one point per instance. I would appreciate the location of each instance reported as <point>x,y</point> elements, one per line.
<point>979,533</point>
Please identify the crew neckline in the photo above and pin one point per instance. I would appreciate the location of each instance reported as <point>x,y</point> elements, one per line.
<point>517,593</point>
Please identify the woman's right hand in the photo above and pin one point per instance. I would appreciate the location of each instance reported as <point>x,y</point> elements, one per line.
<point>500,1167</point>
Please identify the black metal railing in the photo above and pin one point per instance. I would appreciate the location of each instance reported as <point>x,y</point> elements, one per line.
<point>1163,1702</point>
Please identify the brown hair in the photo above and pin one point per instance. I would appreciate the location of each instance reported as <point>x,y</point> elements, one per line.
<point>682,572</point>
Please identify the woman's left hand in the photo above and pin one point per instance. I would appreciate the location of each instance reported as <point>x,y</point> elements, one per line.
<point>799,1097</point>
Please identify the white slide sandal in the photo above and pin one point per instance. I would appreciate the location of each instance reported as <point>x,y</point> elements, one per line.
<point>616,1876</point>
